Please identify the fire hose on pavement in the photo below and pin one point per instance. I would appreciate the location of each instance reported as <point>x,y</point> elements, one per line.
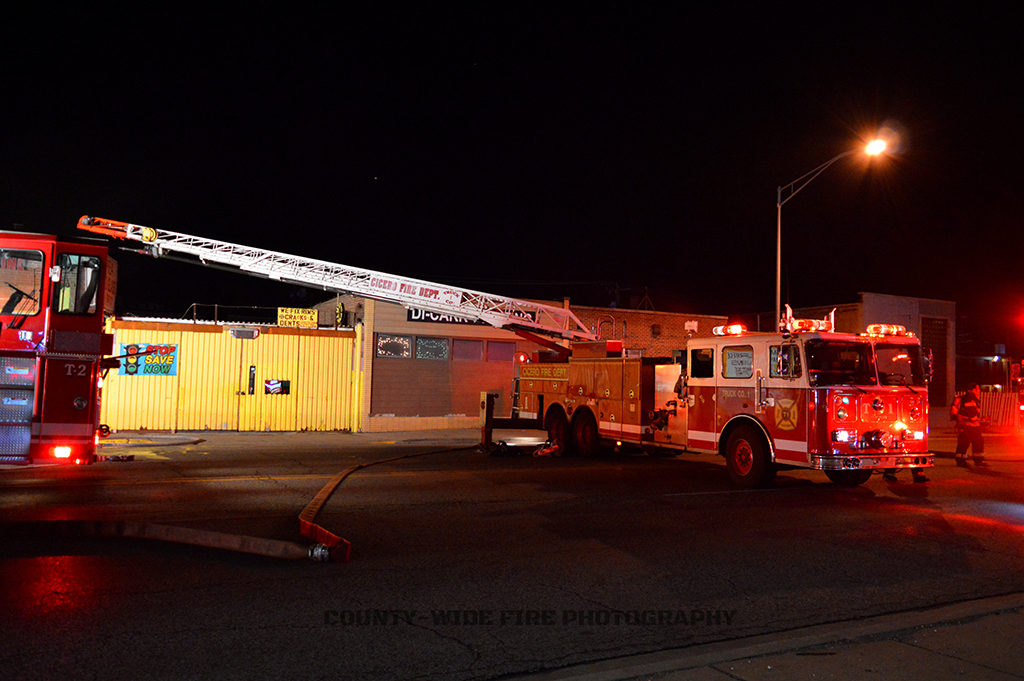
<point>327,546</point>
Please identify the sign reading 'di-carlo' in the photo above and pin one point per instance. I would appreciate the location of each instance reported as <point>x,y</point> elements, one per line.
<point>148,359</point>
<point>415,315</point>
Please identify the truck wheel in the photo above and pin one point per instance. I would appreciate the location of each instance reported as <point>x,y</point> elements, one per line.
<point>584,433</point>
<point>849,478</point>
<point>746,459</point>
<point>558,429</point>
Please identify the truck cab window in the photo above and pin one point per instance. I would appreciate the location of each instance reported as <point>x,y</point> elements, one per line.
<point>738,361</point>
<point>22,273</point>
<point>784,361</point>
<point>77,292</point>
<point>702,363</point>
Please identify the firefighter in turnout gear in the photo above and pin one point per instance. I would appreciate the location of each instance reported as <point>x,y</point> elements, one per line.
<point>966,410</point>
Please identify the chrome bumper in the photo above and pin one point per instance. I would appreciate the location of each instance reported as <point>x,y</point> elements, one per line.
<point>856,461</point>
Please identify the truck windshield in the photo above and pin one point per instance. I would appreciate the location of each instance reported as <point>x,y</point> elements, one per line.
<point>899,364</point>
<point>840,363</point>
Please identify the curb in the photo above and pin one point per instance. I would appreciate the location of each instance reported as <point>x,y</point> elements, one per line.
<point>148,441</point>
<point>793,640</point>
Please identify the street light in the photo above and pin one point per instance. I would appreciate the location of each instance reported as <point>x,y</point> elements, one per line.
<point>873,148</point>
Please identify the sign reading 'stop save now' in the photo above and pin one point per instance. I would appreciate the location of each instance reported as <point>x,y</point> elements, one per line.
<point>297,317</point>
<point>148,359</point>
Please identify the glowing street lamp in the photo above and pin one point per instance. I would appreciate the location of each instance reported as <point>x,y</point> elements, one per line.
<point>875,147</point>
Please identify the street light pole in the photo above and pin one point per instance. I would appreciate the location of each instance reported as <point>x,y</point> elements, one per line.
<point>874,148</point>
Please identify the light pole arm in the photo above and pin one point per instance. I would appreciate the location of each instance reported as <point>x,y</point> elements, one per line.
<point>805,179</point>
<point>792,188</point>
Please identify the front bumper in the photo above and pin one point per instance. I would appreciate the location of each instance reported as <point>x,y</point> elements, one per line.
<point>883,460</point>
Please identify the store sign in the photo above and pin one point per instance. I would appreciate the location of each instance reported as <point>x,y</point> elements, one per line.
<point>296,317</point>
<point>148,359</point>
<point>414,315</point>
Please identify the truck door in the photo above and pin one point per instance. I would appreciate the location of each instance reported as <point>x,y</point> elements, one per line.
<point>670,399</point>
<point>702,426</point>
<point>786,412</point>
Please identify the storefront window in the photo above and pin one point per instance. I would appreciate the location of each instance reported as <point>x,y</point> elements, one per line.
<point>467,349</point>
<point>394,346</point>
<point>432,348</point>
<point>500,351</point>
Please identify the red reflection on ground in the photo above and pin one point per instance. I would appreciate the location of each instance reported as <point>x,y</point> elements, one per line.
<point>1008,517</point>
<point>988,522</point>
<point>50,585</point>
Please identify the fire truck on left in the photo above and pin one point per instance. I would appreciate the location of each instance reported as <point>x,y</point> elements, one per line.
<point>54,295</point>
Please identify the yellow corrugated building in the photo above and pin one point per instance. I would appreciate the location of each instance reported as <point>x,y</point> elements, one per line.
<point>210,376</point>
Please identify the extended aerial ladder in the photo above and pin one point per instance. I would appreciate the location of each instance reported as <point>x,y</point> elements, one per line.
<point>534,321</point>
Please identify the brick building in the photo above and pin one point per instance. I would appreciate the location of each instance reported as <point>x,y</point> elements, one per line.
<point>647,333</point>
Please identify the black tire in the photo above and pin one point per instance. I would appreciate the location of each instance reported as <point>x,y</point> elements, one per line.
<point>849,478</point>
<point>746,458</point>
<point>585,435</point>
<point>558,429</point>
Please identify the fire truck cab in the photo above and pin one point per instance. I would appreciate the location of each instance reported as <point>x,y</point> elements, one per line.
<point>844,404</point>
<point>53,296</point>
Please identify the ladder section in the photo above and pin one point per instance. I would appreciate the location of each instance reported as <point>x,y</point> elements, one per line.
<point>498,311</point>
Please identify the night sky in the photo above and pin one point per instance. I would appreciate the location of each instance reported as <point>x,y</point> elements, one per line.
<point>604,151</point>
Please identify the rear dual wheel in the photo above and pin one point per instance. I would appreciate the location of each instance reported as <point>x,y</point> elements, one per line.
<point>584,433</point>
<point>558,429</point>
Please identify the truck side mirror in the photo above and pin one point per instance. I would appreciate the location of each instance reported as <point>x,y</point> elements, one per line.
<point>927,362</point>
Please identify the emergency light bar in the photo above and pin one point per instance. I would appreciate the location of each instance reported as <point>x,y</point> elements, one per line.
<point>729,330</point>
<point>798,325</point>
<point>791,325</point>
<point>887,330</point>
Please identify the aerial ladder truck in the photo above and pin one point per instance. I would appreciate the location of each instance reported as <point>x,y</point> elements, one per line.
<point>548,326</point>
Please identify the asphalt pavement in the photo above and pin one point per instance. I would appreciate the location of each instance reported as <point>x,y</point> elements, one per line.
<point>979,639</point>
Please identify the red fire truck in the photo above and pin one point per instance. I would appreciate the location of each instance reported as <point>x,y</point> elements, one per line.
<point>803,398</point>
<point>54,293</point>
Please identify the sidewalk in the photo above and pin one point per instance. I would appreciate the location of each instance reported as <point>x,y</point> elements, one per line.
<point>144,439</point>
<point>464,437</point>
<point>972,640</point>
